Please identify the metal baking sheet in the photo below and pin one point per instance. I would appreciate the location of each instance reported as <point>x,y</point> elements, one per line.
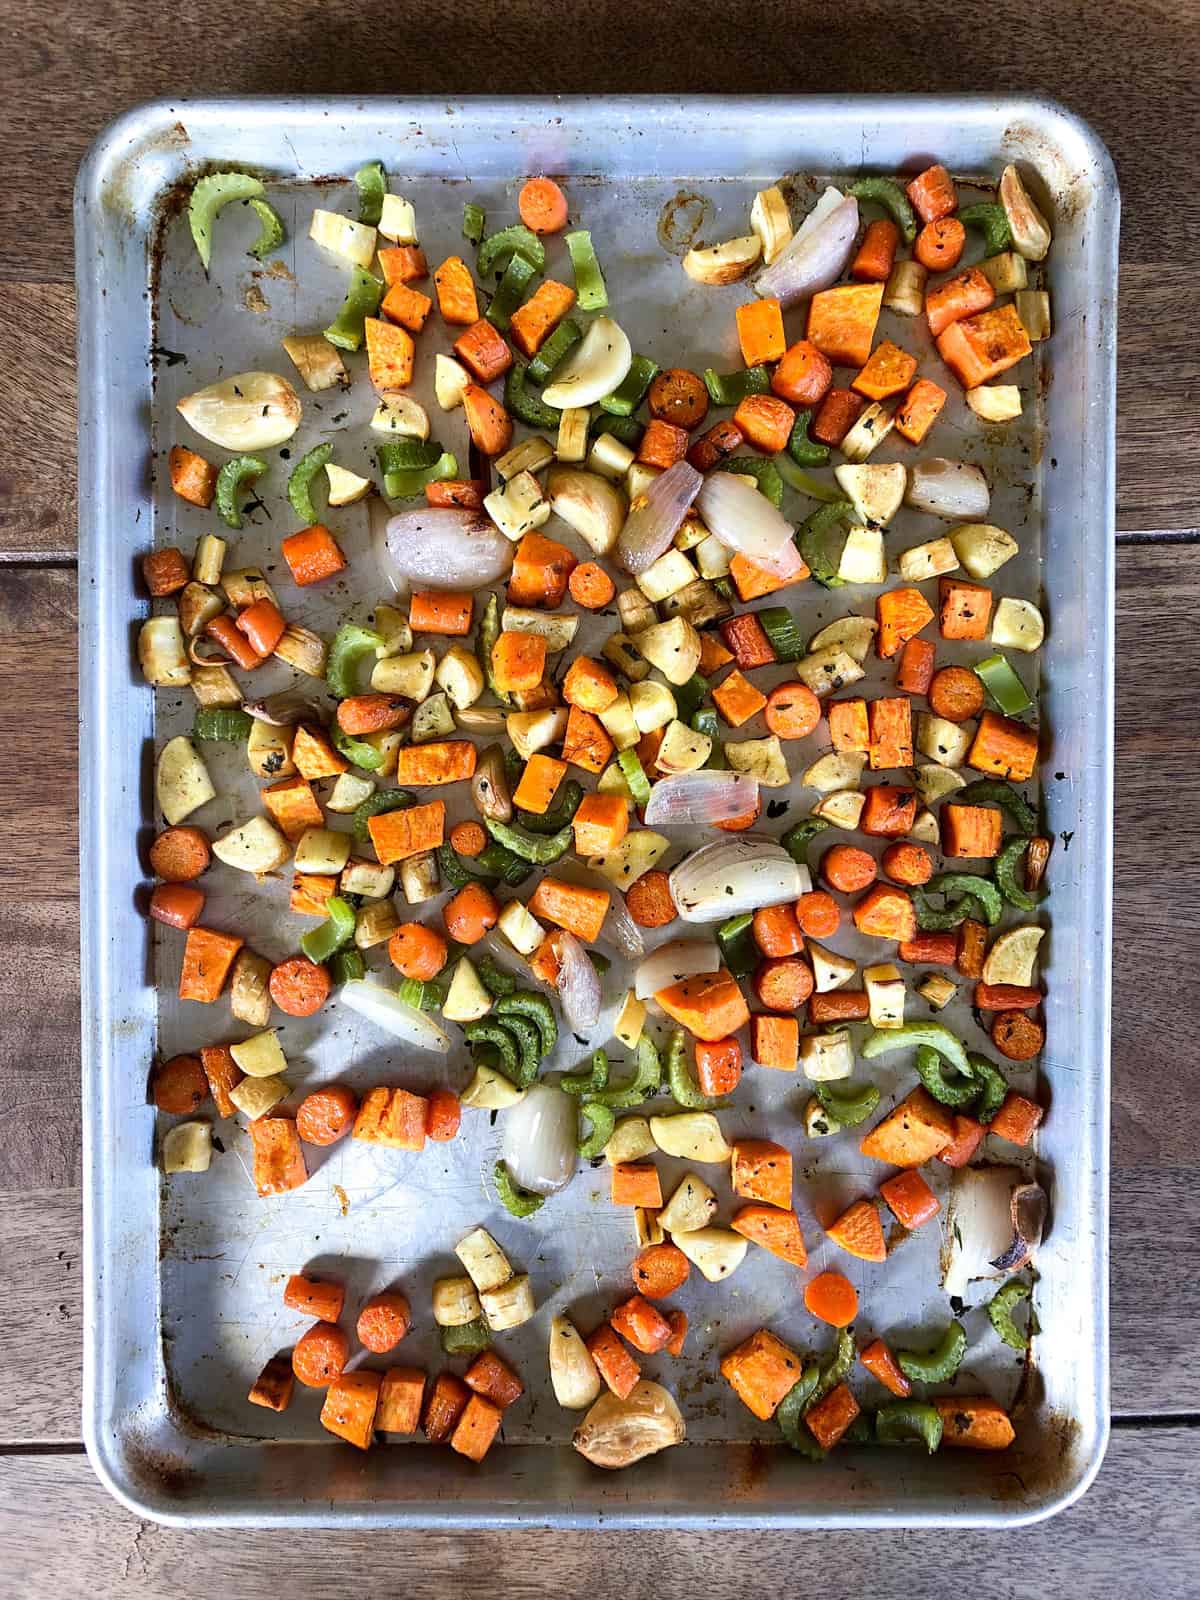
<point>184,1278</point>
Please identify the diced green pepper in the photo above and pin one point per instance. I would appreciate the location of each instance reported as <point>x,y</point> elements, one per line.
<point>886,192</point>
<point>1005,868</point>
<point>510,291</point>
<point>995,1086</point>
<point>424,994</point>
<point>494,979</point>
<point>933,1034</point>
<point>735,939</point>
<point>498,249</point>
<point>847,1107</point>
<point>555,350</point>
<point>627,429</point>
<point>1002,683</point>
<point>468,1339</point>
<point>522,403</point>
<point>812,540</point>
<point>938,1364</point>
<point>992,221</point>
<point>957,1091</point>
<point>489,632</point>
<point>538,1010</point>
<point>789,1414</point>
<point>731,388</point>
<point>993,791</point>
<point>517,1202</point>
<point>222,722</point>
<point>806,452</point>
<point>474,220</point>
<point>690,696</point>
<point>685,1091</point>
<point>567,802</point>
<point>337,929</point>
<point>589,280</point>
<point>300,482</point>
<point>362,301</point>
<point>798,838</point>
<point>372,186</point>
<point>357,751</point>
<point>230,480</point>
<point>347,966</point>
<point>780,628</point>
<point>631,391</point>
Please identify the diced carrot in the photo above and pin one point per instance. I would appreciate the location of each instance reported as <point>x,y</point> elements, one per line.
<point>542,206</point>
<point>939,245</point>
<point>574,907</point>
<point>803,375</point>
<point>312,555</point>
<point>179,1086</point>
<point>828,1420</point>
<point>889,812</point>
<point>586,743</point>
<point>964,609</point>
<point>774,1230</point>
<point>841,1005</point>
<point>792,711</point>
<point>400,1396</point>
<point>457,300</point>
<point>544,963</point>
<point>972,947</point>
<point>889,371</point>
<point>225,632</point>
<point>709,1005</point>
<point>776,931</point>
<point>278,1163</point>
<point>165,572</point>
<point>443,761</point>
<point>402,263</point>
<point>961,296</point>
<point>747,639</point>
<point>314,757</point>
<point>876,253</point>
<point>1007,997</point>
<point>933,194</point>
<point>761,1170</point>
<point>678,396</point>
<point>470,913</point>
<point>322,1298</point>
<point>274,1385</point>
<point>465,494</point>
<point>818,914</point>
<point>914,669</point>
<point>679,1328</point>
<point>441,611</point>
<point>662,444</point>
<point>372,713</point>
<point>534,322</point>
<point>910,1199</point>
<point>658,1271</point>
<point>408,307</point>
<point>444,1405</point>
<point>979,348</point>
<point>901,614</point>
<point>192,478</point>
<point>476,1429</point>
<point>541,569</point>
<point>539,783</point>
<point>600,823</point>
<point>737,699</point>
<point>971,831</point>
<point>722,439</point>
<point>929,949</point>
<point>841,322</point>
<point>397,835</point>
<point>831,1297</point>
<point>766,421</point>
<point>223,1074</point>
<point>383,1321</point>
<point>443,1116</point>
<point>859,1231</point>
<point>321,1351</point>
<point>775,1042</point>
<point>619,1369</point>
<point>494,1379</point>
<point>891,734</point>
<point>1017,1119</point>
<point>718,1066</point>
<point>882,1365</point>
<point>783,984</point>
<point>207,958</point>
<point>391,1117</point>
<point>327,1115</point>
<point>299,987</point>
<point>180,854</point>
<point>390,354</point>
<point>909,864</point>
<point>263,625</point>
<point>589,684</point>
<point>973,1422</point>
<point>351,1404</point>
<point>642,1324</point>
<point>488,423</point>
<point>1006,748</point>
<point>839,411</point>
<point>590,586</point>
<point>293,807</point>
<point>909,1136</point>
<point>483,350</point>
<point>847,868</point>
<point>761,1370</point>
<point>918,412</point>
<point>649,901</point>
<point>760,332</point>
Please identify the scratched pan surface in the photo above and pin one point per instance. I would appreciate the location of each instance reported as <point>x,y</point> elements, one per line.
<point>185,1276</point>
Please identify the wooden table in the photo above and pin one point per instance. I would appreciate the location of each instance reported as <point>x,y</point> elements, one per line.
<point>1134,71</point>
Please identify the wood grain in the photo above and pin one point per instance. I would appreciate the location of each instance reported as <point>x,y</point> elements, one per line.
<point>91,1545</point>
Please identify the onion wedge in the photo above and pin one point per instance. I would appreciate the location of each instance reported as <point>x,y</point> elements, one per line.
<point>656,516</point>
<point>817,253</point>
<point>731,876</point>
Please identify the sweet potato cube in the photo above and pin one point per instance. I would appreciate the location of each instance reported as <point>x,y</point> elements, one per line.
<point>476,1429</point>
<point>482,349</point>
<point>589,685</point>
<point>400,1396</point>
<point>916,1131</point>
<point>752,581</point>
<point>859,1231</point>
<point>888,371</point>
<point>642,1324</point>
<point>848,726</point>
<point>760,1371</point>
<point>774,1230</point>
<point>518,661</point>
<point>968,1136</point>
<point>919,410</point>
<point>979,348</point>
<point>402,263</point>
<point>293,808</point>
<point>616,1365</point>
<point>600,824</point>
<point>1006,748</point>
<point>762,1170</point>
<point>533,323</point>
<point>428,765</point>
<point>278,1155</point>
<point>1017,1119</point>
<point>408,307</point>
<point>737,699</point>
<point>775,1041</point>
<point>577,908</point>
<point>710,1005</point>
<point>539,783</point>
<point>636,1183</point>
<point>891,733</point>
<point>541,570</point>
<point>829,1418</point>
<point>971,831</point>
<point>457,300</point>
<point>390,353</point>
<point>586,742</point>
<point>760,331</point>
<point>350,1405</point>
<point>910,1199</point>
<point>310,891</point>
<point>274,1385</point>
<point>397,835</point>
<point>314,757</point>
<point>964,609</point>
<point>393,1118</point>
<point>193,479</point>
<point>886,912</point>
<point>901,614</point>
<point>841,322</point>
<point>889,812</point>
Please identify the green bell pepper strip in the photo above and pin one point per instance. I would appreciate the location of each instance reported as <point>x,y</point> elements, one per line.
<point>934,1034</point>
<point>209,196</point>
<point>992,791</point>
<point>498,249</point>
<point>804,482</point>
<point>517,1202</point>
<point>789,1414</point>
<point>932,919</point>
<point>489,632</point>
<point>764,473</point>
<point>780,628</point>
<point>300,482</point>
<point>424,994</point>
<point>372,186</point>
<point>474,221</point>
<point>735,939</point>
<point>510,291</point>
<point>590,290</point>
<point>537,1009</point>
<point>627,429</point>
<point>705,721</point>
<point>938,1364</point>
<point>997,676</point>
<point>398,455</point>
<point>522,403</point>
<point>839,1366</point>
<point>270,233</point>
<point>229,485</point>
<point>468,1339</point>
<point>631,391</point>
<point>968,883</point>
<point>494,979</point>
<point>806,452</point>
<point>337,929</point>
<point>690,696</point>
<point>992,221</point>
<point>797,838</point>
<point>346,966</point>
<point>958,1091</point>
<point>812,541</point>
<point>886,192</point>
<point>594,1081</point>
<point>222,722</point>
<point>351,646</point>
<point>375,805</point>
<point>362,301</point>
<point>495,860</point>
<point>603,1120</point>
<point>630,764</point>
<point>685,1091</point>
<point>909,1422</point>
<point>1005,870</point>
<point>645,1083</point>
<point>731,388</point>
<point>542,849</point>
<point>850,1107</point>
<point>408,485</point>
<point>1000,1310</point>
<point>357,751</point>
<point>566,803</point>
<point>491,1031</point>
<point>555,350</point>
<point>995,1086</point>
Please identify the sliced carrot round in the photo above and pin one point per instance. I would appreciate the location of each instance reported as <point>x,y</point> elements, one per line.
<point>326,1115</point>
<point>542,206</point>
<point>470,913</point>
<point>649,900</point>
<point>590,586</point>
<point>792,711</point>
<point>831,1297</point>
<point>848,869</point>
<point>299,986</point>
<point>320,1354</point>
<point>383,1322</point>
<point>179,1085</point>
<point>955,694</point>
<point>443,1115</point>
<point>417,951</point>
<point>180,854</point>
<point>818,914</point>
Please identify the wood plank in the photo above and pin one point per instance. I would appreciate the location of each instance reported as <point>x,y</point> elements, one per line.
<point>37,416</point>
<point>1142,1500</point>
